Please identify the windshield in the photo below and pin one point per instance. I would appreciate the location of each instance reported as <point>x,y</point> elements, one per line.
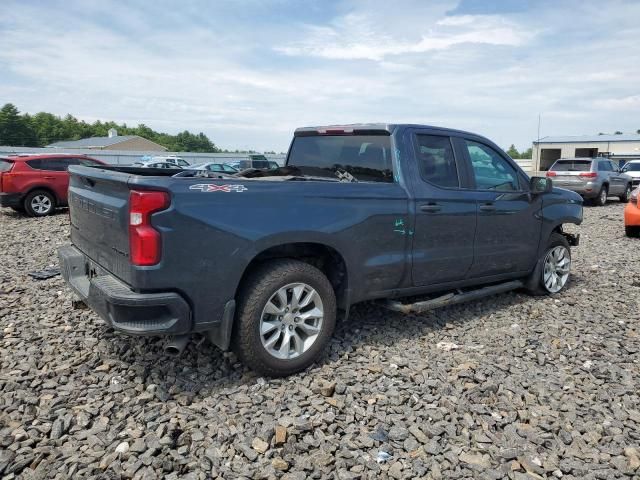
<point>365,157</point>
<point>571,166</point>
<point>629,167</point>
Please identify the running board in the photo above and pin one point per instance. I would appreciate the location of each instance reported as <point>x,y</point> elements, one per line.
<point>451,298</point>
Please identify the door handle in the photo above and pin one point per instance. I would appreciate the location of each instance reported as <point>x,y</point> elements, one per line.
<point>487,207</point>
<point>430,207</point>
<point>49,178</point>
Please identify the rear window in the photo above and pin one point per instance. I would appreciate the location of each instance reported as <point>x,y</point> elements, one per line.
<point>571,166</point>
<point>366,157</point>
<point>5,165</point>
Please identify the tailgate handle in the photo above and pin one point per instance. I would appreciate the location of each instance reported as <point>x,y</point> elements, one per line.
<point>89,182</point>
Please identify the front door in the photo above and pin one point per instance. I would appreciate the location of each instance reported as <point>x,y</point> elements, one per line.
<point>509,220</point>
<point>445,217</point>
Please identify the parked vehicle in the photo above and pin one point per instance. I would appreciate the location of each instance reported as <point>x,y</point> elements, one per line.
<point>37,184</point>
<point>358,213</point>
<point>593,178</point>
<point>632,215</point>
<point>148,161</point>
<point>216,167</point>
<point>632,168</point>
<point>157,164</point>
<point>259,162</point>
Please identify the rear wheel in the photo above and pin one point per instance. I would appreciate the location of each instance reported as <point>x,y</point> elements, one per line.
<point>632,231</point>
<point>39,203</point>
<point>624,198</point>
<point>601,199</point>
<point>551,274</point>
<point>286,316</point>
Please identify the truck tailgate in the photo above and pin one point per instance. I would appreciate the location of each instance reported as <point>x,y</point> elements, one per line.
<point>98,210</point>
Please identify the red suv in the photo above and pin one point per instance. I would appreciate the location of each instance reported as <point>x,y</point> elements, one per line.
<point>37,184</point>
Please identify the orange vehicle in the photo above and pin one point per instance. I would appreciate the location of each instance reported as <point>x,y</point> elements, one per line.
<point>632,215</point>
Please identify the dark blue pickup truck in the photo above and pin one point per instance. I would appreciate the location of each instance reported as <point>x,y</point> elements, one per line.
<point>265,261</point>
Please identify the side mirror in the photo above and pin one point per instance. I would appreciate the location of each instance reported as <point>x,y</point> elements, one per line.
<point>540,185</point>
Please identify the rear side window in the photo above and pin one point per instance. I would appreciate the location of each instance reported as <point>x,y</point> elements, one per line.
<point>571,166</point>
<point>605,166</point>
<point>366,157</point>
<point>51,164</point>
<point>5,165</point>
<point>491,170</point>
<point>436,161</point>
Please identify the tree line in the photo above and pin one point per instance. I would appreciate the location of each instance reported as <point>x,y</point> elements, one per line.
<point>514,153</point>
<point>42,129</point>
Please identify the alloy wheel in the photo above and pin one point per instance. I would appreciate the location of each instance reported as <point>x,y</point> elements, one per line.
<point>557,265</point>
<point>41,204</point>
<point>291,321</point>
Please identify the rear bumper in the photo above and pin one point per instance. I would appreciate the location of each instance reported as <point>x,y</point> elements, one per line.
<point>587,190</point>
<point>631,215</point>
<point>160,313</point>
<point>10,199</point>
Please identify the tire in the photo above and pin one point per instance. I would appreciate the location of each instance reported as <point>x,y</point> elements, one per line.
<point>601,199</point>
<point>261,309</point>
<point>624,198</point>
<point>39,203</point>
<point>536,284</point>
<point>632,232</point>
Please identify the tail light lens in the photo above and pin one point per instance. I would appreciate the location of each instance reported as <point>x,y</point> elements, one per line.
<point>551,174</point>
<point>145,244</point>
<point>588,175</point>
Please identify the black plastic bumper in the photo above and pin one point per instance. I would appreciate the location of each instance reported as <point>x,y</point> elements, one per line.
<point>163,313</point>
<point>10,199</point>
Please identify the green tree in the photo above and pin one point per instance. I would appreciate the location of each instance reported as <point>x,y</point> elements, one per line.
<point>15,130</point>
<point>526,154</point>
<point>513,151</point>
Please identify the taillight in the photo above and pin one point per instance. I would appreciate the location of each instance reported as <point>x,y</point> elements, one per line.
<point>588,175</point>
<point>145,245</point>
<point>551,174</point>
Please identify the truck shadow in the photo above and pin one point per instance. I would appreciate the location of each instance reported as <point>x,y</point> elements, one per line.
<point>203,370</point>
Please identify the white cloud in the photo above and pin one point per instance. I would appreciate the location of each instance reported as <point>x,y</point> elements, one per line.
<point>248,81</point>
<point>353,37</point>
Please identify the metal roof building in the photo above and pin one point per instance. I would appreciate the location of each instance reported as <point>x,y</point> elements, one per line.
<point>549,149</point>
<point>112,142</point>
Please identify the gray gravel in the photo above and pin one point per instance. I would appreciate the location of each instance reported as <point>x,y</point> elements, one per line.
<point>509,387</point>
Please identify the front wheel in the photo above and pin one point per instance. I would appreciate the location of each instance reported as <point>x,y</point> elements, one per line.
<point>286,316</point>
<point>551,274</point>
<point>624,198</point>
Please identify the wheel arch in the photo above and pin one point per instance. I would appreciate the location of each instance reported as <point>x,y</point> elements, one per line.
<point>45,188</point>
<point>322,256</point>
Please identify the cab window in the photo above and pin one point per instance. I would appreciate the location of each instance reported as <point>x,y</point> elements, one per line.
<point>490,169</point>
<point>436,161</point>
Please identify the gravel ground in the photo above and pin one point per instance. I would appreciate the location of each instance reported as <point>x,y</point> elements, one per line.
<point>508,387</point>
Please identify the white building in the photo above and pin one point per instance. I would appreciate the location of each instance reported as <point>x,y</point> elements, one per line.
<point>549,149</point>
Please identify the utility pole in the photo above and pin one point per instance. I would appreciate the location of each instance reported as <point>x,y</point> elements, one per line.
<point>537,166</point>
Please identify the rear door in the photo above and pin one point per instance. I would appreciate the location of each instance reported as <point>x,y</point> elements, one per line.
<point>52,173</point>
<point>445,216</point>
<point>617,184</point>
<point>570,173</point>
<point>509,221</point>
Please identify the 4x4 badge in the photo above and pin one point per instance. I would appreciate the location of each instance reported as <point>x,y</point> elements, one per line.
<point>212,187</point>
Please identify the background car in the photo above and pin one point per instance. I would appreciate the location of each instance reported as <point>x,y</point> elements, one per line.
<point>632,215</point>
<point>216,167</point>
<point>593,178</point>
<point>157,164</point>
<point>37,184</point>
<point>632,168</point>
<point>171,159</point>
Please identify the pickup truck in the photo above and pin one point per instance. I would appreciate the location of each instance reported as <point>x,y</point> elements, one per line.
<point>264,262</point>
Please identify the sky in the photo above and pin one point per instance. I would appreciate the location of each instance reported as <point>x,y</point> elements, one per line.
<point>247,73</point>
